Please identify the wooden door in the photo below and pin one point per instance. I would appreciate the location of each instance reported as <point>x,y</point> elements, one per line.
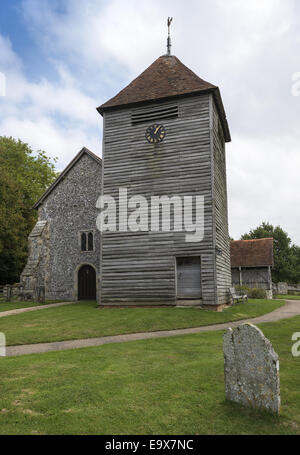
<point>189,278</point>
<point>86,283</point>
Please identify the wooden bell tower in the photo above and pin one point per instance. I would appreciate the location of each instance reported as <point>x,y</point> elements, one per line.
<point>165,134</point>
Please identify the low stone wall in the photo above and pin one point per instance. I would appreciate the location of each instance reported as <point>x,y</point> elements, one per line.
<point>281,288</point>
<point>285,289</point>
<point>17,292</point>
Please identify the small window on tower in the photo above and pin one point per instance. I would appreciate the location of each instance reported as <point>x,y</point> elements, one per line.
<point>83,241</point>
<point>90,241</point>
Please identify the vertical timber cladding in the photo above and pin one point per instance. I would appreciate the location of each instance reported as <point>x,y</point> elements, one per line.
<point>222,241</point>
<point>139,268</point>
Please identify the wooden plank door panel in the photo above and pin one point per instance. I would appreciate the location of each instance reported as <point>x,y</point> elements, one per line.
<point>189,277</point>
<point>86,283</point>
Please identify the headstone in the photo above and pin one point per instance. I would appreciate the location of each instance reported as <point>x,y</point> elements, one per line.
<point>2,345</point>
<point>282,288</point>
<point>28,296</point>
<point>21,293</point>
<point>40,294</point>
<point>251,369</point>
<point>7,292</point>
<point>269,294</point>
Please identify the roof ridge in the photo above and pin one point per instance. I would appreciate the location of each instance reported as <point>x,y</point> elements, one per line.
<point>71,164</point>
<point>193,73</point>
<point>114,100</point>
<point>166,78</point>
<point>92,154</point>
<point>253,240</point>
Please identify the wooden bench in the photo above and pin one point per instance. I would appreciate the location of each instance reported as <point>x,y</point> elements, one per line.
<point>237,298</point>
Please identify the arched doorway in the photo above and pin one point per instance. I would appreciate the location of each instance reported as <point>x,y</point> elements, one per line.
<point>86,283</point>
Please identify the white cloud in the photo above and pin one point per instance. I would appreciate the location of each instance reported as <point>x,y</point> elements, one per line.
<point>249,49</point>
<point>100,33</point>
<point>55,117</point>
<point>45,132</point>
<point>8,58</point>
<point>262,183</point>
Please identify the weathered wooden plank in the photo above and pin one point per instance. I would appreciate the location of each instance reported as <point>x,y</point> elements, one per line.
<point>140,267</point>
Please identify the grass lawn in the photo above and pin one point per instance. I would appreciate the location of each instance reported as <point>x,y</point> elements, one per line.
<point>15,304</point>
<point>162,386</point>
<point>84,320</point>
<point>288,297</point>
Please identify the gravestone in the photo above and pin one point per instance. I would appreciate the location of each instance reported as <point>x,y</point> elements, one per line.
<point>2,345</point>
<point>251,368</point>
<point>282,288</point>
<point>40,294</point>
<point>269,294</point>
<point>7,292</point>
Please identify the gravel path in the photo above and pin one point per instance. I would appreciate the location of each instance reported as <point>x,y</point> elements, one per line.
<point>32,308</point>
<point>292,308</point>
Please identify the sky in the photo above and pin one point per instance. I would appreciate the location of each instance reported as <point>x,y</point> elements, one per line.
<point>63,58</point>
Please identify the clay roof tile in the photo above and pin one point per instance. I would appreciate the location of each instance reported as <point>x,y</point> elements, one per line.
<point>252,253</point>
<point>167,77</point>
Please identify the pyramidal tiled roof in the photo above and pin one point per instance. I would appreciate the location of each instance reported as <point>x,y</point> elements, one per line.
<point>167,77</point>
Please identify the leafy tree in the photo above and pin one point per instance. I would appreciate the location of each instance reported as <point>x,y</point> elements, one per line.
<point>295,260</point>
<point>286,255</point>
<point>24,178</point>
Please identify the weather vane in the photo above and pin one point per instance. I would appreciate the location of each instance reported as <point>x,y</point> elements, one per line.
<point>170,19</point>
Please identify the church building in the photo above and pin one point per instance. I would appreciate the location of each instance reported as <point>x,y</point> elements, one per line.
<point>64,246</point>
<point>164,138</point>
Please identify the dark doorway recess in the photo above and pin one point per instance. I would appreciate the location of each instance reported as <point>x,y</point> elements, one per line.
<point>86,283</point>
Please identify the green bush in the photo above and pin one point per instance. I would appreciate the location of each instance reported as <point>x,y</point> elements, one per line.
<point>257,293</point>
<point>242,289</point>
<point>252,293</point>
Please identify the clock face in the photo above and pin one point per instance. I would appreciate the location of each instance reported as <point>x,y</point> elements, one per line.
<point>155,133</point>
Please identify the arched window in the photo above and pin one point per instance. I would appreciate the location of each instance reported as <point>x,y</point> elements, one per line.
<point>83,241</point>
<point>90,241</point>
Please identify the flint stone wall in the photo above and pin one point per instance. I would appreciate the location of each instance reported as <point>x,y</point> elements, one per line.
<point>69,209</point>
<point>251,368</point>
<point>54,259</point>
